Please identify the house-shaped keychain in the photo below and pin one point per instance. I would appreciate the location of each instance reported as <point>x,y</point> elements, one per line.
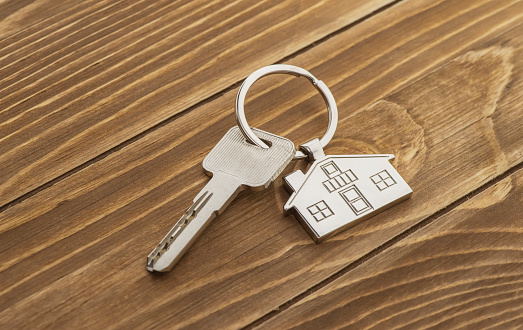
<point>339,191</point>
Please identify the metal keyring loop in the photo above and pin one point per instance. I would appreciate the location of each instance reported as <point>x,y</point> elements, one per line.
<point>295,71</point>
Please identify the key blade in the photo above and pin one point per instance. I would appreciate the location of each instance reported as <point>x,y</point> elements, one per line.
<point>178,227</point>
<point>235,164</point>
<point>212,200</point>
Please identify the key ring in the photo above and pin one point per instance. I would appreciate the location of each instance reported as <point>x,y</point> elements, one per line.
<point>295,71</point>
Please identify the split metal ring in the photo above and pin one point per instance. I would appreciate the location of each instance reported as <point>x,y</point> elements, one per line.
<point>295,71</point>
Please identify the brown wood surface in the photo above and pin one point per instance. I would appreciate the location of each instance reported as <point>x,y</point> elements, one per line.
<point>437,83</point>
<point>18,17</point>
<point>464,270</point>
<point>73,89</point>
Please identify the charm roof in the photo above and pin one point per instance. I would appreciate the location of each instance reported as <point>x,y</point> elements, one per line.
<point>385,157</point>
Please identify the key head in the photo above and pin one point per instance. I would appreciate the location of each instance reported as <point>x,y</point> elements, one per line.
<point>251,165</point>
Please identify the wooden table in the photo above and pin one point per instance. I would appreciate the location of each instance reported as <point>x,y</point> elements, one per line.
<point>107,109</point>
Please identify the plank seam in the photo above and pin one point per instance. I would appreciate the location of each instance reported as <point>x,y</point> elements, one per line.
<point>382,248</point>
<point>175,117</point>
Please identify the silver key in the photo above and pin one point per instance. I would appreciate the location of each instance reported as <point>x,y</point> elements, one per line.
<point>234,165</point>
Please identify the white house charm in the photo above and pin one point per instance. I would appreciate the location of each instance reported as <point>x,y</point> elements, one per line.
<point>339,191</point>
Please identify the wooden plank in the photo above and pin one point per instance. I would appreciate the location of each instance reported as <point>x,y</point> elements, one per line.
<point>464,270</point>
<point>79,87</point>
<point>19,15</point>
<point>80,245</point>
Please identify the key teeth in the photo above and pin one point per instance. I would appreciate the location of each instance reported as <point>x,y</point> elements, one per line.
<point>149,266</point>
<point>197,202</point>
<point>165,243</point>
<point>152,258</point>
<point>151,261</point>
<point>202,204</point>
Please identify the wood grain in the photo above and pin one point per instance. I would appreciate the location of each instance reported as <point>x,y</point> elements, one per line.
<point>463,271</point>
<point>79,246</point>
<point>73,89</point>
<point>19,16</point>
